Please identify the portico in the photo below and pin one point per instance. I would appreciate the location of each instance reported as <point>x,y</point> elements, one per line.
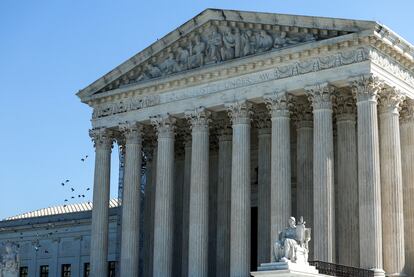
<point>262,94</point>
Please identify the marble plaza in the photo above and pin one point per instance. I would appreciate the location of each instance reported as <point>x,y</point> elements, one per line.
<point>245,119</point>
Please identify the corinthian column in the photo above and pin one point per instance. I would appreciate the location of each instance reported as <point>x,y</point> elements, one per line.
<point>264,244</point>
<point>198,240</point>
<point>239,113</point>
<point>131,199</point>
<point>186,204</point>
<point>407,150</point>
<point>163,224</point>
<point>99,229</point>
<point>323,175</point>
<point>369,186</point>
<point>280,187</point>
<point>347,221</point>
<point>304,164</point>
<point>391,182</point>
<point>224,200</point>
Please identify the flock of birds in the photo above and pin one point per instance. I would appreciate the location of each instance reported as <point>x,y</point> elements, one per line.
<point>75,194</point>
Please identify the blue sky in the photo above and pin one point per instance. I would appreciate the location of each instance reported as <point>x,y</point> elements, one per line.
<point>51,49</point>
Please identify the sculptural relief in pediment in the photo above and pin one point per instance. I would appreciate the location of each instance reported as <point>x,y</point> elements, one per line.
<point>216,43</point>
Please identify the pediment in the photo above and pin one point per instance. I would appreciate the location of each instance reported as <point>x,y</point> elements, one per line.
<point>218,36</point>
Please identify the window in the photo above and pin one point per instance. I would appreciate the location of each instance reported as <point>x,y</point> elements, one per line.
<point>66,268</point>
<point>44,271</point>
<point>111,269</point>
<point>24,271</point>
<point>86,269</point>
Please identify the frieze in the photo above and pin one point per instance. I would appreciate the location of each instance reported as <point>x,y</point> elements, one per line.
<point>220,42</point>
<point>279,72</point>
<point>392,67</point>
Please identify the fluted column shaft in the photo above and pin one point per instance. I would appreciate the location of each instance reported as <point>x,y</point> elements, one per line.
<point>304,165</point>
<point>347,190</point>
<point>407,150</point>
<point>186,207</point>
<point>198,240</point>
<point>149,214</point>
<point>100,210</point>
<point>163,224</point>
<point>131,200</point>
<point>240,190</point>
<point>323,175</point>
<point>280,185</point>
<point>263,203</point>
<point>369,185</point>
<point>391,183</point>
<point>224,204</point>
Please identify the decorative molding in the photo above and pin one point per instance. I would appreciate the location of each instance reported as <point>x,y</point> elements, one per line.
<point>240,112</point>
<point>366,87</point>
<point>164,125</point>
<point>102,138</point>
<point>392,67</point>
<point>321,96</point>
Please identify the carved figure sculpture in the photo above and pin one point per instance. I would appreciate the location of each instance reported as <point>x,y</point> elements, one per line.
<point>231,44</point>
<point>182,58</point>
<point>245,43</point>
<point>292,244</point>
<point>196,57</point>
<point>10,261</point>
<point>264,41</point>
<point>169,65</point>
<point>214,44</point>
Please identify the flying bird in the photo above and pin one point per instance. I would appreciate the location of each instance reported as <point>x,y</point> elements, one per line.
<point>67,181</point>
<point>72,189</point>
<point>62,184</point>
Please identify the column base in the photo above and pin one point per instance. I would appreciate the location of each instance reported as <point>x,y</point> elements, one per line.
<point>400,274</point>
<point>285,269</point>
<point>378,272</point>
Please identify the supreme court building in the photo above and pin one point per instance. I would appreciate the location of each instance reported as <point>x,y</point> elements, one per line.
<point>243,119</point>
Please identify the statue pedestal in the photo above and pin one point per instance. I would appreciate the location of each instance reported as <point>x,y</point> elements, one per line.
<point>285,269</point>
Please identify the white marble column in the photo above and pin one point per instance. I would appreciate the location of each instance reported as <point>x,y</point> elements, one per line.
<point>131,199</point>
<point>264,244</point>
<point>186,204</point>
<point>280,185</point>
<point>366,89</point>
<point>99,229</point>
<point>149,213</point>
<point>198,239</point>
<point>163,223</point>
<point>323,175</point>
<point>407,157</point>
<point>239,113</point>
<point>224,201</point>
<point>391,182</point>
<point>347,221</point>
<point>304,164</point>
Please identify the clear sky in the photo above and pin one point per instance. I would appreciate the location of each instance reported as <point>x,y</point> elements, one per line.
<point>50,49</point>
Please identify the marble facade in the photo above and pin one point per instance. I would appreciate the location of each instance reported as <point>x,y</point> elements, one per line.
<point>321,108</point>
<point>306,78</point>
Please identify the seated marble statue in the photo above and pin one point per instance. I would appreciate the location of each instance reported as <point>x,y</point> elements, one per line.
<point>292,244</point>
<point>9,263</point>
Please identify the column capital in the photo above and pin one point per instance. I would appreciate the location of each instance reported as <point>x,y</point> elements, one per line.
<point>102,138</point>
<point>302,114</point>
<point>321,96</point>
<point>132,132</point>
<point>240,112</point>
<point>262,120</point>
<point>345,106</point>
<point>390,100</point>
<point>164,125</point>
<point>407,111</point>
<point>278,103</point>
<point>198,119</point>
<point>366,87</point>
